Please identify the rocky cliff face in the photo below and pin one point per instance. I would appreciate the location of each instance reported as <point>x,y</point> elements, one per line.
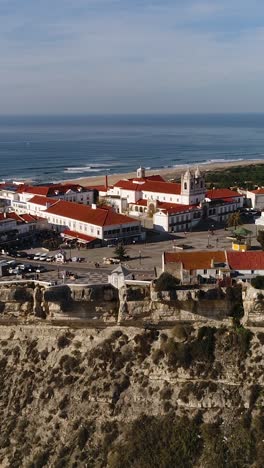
<point>253,301</point>
<point>60,302</point>
<point>213,303</point>
<point>76,397</point>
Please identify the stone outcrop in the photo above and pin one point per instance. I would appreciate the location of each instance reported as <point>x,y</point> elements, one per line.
<point>182,304</point>
<point>253,301</point>
<point>59,302</point>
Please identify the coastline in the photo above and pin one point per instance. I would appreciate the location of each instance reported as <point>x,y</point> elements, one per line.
<point>167,173</point>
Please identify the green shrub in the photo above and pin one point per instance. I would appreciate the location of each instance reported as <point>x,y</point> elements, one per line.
<point>63,341</point>
<point>179,331</point>
<point>158,442</point>
<point>166,282</point>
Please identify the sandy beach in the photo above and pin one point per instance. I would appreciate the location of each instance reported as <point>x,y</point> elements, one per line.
<point>168,173</point>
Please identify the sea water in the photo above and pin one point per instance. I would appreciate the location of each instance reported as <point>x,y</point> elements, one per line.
<point>55,148</point>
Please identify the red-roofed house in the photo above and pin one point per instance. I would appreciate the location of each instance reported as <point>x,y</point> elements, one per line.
<point>68,192</point>
<point>198,266</point>
<point>37,204</point>
<point>96,222</point>
<point>246,263</point>
<point>11,221</point>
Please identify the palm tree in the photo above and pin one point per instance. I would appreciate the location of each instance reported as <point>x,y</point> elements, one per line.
<point>235,220</point>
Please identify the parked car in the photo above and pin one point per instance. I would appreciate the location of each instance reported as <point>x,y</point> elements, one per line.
<point>43,257</point>
<point>37,256</point>
<point>40,269</point>
<point>22,254</point>
<point>50,258</point>
<point>30,256</point>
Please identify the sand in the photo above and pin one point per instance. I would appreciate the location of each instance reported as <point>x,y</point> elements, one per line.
<point>169,173</point>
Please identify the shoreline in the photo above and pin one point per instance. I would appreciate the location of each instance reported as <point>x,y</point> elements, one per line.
<point>167,173</point>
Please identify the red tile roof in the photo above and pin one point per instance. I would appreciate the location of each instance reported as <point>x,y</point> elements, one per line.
<point>167,207</point>
<point>98,217</point>
<point>43,201</point>
<point>251,260</point>
<point>10,215</point>
<point>51,190</point>
<point>217,194</point>
<point>172,208</point>
<point>156,178</point>
<point>35,190</point>
<point>150,186</point>
<point>199,260</point>
<point>23,218</point>
<point>259,191</point>
<point>77,235</point>
<point>28,218</point>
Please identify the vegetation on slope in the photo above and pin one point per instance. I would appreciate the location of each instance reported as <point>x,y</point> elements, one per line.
<point>183,397</point>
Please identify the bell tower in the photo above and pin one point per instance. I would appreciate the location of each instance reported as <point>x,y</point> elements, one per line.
<point>141,173</point>
<point>192,187</point>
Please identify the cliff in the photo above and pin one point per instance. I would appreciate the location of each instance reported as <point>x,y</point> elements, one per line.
<point>78,397</point>
<point>106,304</point>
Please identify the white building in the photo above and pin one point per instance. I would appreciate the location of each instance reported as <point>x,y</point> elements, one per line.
<point>101,223</point>
<point>256,198</point>
<point>174,206</point>
<point>16,196</point>
<point>213,266</point>
<point>119,276</point>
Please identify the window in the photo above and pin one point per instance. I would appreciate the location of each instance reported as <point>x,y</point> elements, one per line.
<point>205,272</point>
<point>185,185</point>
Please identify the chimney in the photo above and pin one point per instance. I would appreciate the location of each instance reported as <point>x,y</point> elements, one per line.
<point>106,181</point>
<point>94,206</point>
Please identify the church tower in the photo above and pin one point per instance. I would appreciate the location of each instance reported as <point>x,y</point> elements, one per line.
<point>192,187</point>
<point>141,173</point>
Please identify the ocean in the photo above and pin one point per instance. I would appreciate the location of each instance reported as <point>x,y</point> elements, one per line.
<point>52,149</point>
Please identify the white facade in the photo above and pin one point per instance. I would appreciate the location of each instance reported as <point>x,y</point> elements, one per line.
<point>256,199</point>
<point>100,232</point>
<point>192,188</point>
<point>176,222</point>
<point>260,221</point>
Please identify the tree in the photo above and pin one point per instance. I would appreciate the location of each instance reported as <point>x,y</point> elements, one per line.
<point>166,282</point>
<point>260,239</point>
<point>234,219</point>
<point>120,252</point>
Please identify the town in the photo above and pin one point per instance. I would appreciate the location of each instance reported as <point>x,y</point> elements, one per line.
<point>149,225</point>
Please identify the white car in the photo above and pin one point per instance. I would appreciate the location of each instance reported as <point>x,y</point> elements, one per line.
<point>37,256</point>
<point>50,258</point>
<point>43,257</point>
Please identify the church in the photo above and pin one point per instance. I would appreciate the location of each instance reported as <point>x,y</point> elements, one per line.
<point>174,207</point>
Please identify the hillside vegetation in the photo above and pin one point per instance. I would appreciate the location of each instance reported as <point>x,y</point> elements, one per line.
<point>126,397</point>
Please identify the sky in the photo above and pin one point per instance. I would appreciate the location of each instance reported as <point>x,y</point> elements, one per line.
<point>131,56</point>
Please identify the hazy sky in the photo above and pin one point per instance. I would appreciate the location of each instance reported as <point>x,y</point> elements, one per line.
<point>112,56</point>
